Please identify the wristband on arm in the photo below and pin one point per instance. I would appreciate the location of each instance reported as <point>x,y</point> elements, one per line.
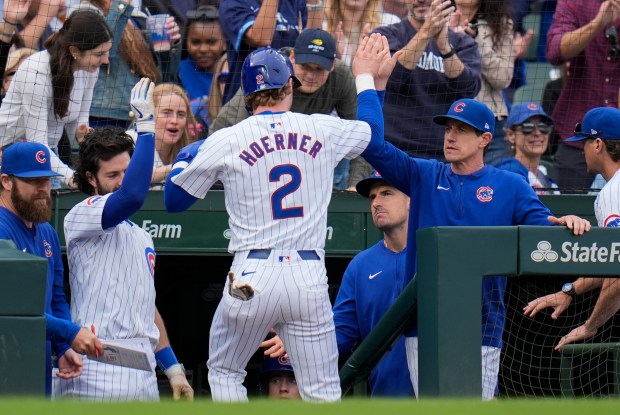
<point>165,358</point>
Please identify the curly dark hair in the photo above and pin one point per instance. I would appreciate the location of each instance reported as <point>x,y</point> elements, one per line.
<point>102,144</point>
<point>84,29</point>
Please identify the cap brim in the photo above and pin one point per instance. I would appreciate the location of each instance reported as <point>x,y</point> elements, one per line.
<point>576,138</point>
<point>363,186</point>
<point>35,174</point>
<point>325,63</point>
<point>521,120</point>
<point>442,119</point>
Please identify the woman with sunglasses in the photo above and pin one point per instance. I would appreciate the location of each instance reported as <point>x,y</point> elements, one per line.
<point>527,130</point>
<point>205,44</point>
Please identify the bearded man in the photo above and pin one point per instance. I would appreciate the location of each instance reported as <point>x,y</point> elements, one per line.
<point>25,208</point>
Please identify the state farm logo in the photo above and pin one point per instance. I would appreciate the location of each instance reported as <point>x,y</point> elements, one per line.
<point>573,252</point>
<point>544,253</point>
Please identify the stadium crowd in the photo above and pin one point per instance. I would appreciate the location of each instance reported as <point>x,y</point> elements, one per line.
<point>70,69</point>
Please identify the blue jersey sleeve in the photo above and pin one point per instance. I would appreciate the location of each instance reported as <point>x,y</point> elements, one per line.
<point>176,198</point>
<point>393,164</point>
<point>60,307</point>
<point>345,312</point>
<point>127,200</point>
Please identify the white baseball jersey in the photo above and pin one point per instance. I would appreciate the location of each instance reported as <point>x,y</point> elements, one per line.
<point>277,170</point>
<point>607,203</point>
<point>111,276</point>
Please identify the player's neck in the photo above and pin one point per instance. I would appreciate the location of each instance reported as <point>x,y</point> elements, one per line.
<point>610,169</point>
<point>396,239</point>
<point>282,106</point>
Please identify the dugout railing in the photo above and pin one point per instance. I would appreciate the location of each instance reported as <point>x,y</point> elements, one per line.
<point>446,290</point>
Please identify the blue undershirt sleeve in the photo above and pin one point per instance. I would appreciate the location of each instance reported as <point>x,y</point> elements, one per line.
<point>176,198</point>
<point>129,198</point>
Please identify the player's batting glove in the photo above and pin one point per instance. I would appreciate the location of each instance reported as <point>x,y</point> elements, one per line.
<point>187,154</point>
<point>178,382</point>
<point>242,291</point>
<point>142,106</point>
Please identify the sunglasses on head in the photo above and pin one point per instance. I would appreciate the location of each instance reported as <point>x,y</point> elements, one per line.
<point>581,133</point>
<point>203,13</point>
<point>528,127</point>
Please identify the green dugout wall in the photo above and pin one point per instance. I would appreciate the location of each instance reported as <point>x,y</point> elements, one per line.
<point>451,264</point>
<point>203,229</point>
<point>22,322</point>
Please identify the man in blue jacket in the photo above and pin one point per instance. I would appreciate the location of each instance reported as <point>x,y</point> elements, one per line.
<point>372,282</point>
<point>25,209</point>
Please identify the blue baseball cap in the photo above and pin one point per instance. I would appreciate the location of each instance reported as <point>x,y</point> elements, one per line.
<point>601,122</point>
<point>277,364</point>
<point>471,112</point>
<point>27,160</point>
<point>363,186</point>
<point>522,112</point>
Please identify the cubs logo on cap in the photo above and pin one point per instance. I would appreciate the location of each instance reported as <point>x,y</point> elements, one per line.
<point>470,112</point>
<point>522,112</point>
<point>27,160</point>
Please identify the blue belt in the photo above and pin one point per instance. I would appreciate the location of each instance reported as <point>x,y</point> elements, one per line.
<point>306,255</point>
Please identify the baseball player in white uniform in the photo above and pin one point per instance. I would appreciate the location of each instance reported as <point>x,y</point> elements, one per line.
<point>277,169</point>
<point>600,132</point>
<point>112,262</point>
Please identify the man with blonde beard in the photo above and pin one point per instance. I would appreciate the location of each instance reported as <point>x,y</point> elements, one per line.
<point>25,208</point>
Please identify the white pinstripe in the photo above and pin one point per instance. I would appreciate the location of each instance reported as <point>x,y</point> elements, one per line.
<point>291,295</point>
<point>607,202</point>
<point>111,287</point>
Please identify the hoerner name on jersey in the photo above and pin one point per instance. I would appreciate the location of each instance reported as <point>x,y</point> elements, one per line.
<point>278,142</point>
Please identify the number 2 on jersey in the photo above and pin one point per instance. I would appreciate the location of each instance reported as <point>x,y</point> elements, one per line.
<point>279,212</point>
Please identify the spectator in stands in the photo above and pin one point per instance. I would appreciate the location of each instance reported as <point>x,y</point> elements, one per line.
<point>327,85</point>
<point>584,33</point>
<point>251,24</point>
<point>173,118</point>
<point>349,21</point>
<point>131,58</point>
<point>15,58</point>
<point>528,129</point>
<point>396,7</point>
<point>551,94</point>
<point>205,44</point>
<point>40,22</point>
<point>52,89</point>
<point>601,131</point>
<point>489,22</point>
<point>214,103</point>
<point>277,378</point>
<point>14,13</point>
<point>371,283</point>
<point>438,66</point>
